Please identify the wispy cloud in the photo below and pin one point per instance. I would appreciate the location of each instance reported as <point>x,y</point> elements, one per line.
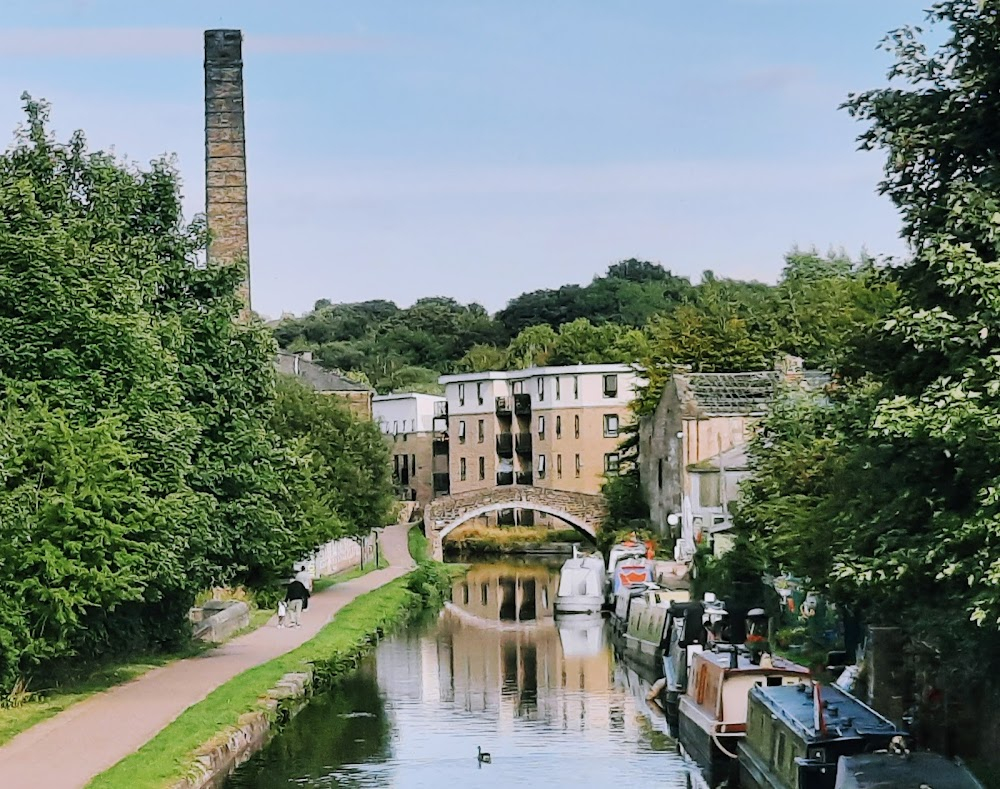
<point>149,42</point>
<point>341,180</point>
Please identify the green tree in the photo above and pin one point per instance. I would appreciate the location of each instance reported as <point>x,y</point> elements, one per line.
<point>347,459</point>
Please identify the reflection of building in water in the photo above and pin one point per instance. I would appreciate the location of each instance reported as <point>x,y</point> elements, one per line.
<point>487,664</point>
<point>507,593</point>
<point>490,662</point>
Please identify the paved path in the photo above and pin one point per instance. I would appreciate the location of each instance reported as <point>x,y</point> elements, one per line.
<point>68,750</point>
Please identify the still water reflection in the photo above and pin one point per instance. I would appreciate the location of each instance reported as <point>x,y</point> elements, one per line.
<point>545,698</point>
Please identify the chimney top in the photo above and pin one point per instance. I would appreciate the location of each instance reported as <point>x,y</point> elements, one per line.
<point>224,46</point>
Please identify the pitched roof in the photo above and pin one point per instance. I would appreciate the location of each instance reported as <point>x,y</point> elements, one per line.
<point>746,394</point>
<point>314,376</point>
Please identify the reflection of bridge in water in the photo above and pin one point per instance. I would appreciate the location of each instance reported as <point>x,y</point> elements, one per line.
<point>511,594</point>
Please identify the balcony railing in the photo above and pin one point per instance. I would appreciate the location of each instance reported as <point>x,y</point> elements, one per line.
<point>525,478</point>
<point>505,445</point>
<point>505,478</point>
<point>523,443</point>
<point>440,443</point>
<point>503,406</point>
<point>522,404</point>
<point>442,483</point>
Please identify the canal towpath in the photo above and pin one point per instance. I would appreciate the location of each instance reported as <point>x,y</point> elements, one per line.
<point>71,748</point>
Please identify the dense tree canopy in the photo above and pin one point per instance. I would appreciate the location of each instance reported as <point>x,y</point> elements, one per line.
<point>138,459</point>
<point>884,493</point>
<point>638,313</point>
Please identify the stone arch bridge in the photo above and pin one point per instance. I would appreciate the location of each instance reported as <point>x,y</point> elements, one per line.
<point>582,511</point>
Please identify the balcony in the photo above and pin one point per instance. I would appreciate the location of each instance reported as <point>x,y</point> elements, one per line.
<point>505,445</point>
<point>503,407</point>
<point>442,483</point>
<point>505,478</point>
<point>523,443</point>
<point>525,478</point>
<point>440,443</point>
<point>441,410</point>
<point>522,404</point>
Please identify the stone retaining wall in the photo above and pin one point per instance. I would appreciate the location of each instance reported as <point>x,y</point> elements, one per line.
<point>218,762</point>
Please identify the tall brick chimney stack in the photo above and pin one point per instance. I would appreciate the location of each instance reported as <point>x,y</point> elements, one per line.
<point>225,156</point>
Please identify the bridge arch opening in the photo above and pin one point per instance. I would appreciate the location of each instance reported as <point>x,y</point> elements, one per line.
<point>580,525</point>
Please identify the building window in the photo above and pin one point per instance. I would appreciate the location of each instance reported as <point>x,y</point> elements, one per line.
<point>541,389</point>
<point>541,466</point>
<point>576,387</point>
<point>558,427</point>
<point>576,426</point>
<point>484,593</point>
<point>611,385</point>
<point>482,431</point>
<point>541,427</point>
<point>413,464</point>
<point>659,472</point>
<point>395,428</point>
<point>461,469</point>
<point>559,466</point>
<point>611,463</point>
<point>558,387</point>
<point>461,432</point>
<point>461,394</point>
<point>465,593</point>
<point>577,467</point>
<point>610,425</point>
<point>482,468</point>
<point>708,490</point>
<point>479,393</point>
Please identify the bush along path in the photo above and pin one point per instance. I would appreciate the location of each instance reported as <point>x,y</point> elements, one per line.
<point>73,747</point>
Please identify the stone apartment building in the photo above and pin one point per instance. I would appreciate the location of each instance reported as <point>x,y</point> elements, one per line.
<point>693,448</point>
<point>407,422</point>
<point>551,427</point>
<point>357,396</point>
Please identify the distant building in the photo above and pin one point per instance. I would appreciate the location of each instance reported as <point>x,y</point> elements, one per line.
<point>551,427</point>
<point>357,395</point>
<point>693,448</point>
<point>407,422</point>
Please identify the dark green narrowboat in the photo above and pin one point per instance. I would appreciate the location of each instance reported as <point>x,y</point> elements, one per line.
<point>796,735</point>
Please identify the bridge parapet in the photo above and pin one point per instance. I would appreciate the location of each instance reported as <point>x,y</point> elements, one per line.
<point>583,511</point>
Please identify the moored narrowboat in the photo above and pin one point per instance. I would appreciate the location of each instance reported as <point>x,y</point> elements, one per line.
<point>795,736</point>
<point>582,584</point>
<point>903,771</point>
<point>647,630</point>
<point>712,714</point>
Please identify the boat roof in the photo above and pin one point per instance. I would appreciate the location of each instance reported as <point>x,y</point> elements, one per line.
<point>886,770</point>
<point>845,715</point>
<point>744,664</point>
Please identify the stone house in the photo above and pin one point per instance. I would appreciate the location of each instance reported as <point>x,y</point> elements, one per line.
<point>358,396</point>
<point>693,448</point>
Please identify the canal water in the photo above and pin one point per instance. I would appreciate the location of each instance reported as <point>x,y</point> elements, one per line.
<point>494,670</point>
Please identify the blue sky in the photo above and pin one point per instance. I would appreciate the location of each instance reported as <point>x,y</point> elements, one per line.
<point>400,149</point>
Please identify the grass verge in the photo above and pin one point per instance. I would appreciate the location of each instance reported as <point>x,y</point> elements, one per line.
<point>507,539</point>
<point>336,649</point>
<point>419,545</point>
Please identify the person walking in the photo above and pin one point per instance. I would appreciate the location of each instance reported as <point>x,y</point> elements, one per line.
<point>297,598</point>
<point>303,575</point>
<point>282,610</point>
